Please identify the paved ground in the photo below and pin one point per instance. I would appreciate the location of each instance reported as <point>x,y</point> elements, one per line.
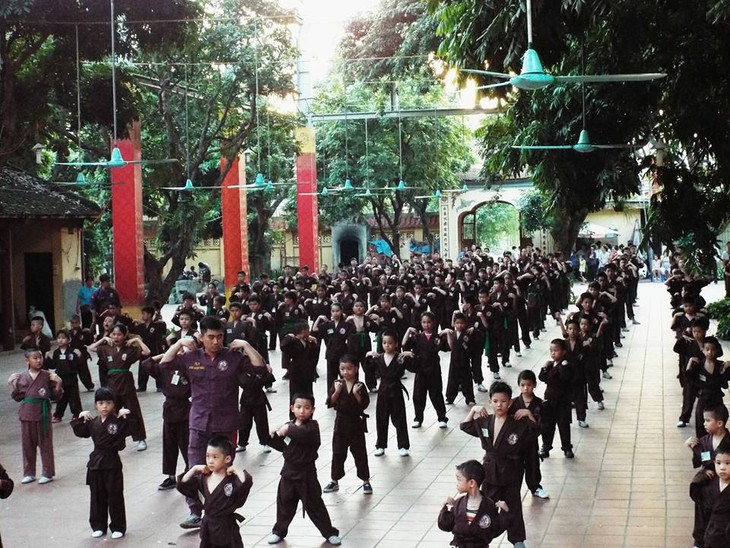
<point>628,485</point>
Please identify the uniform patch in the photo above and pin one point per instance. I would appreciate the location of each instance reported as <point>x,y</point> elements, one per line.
<point>485,521</point>
<point>222,365</point>
<point>228,489</point>
<point>112,428</point>
<point>124,357</point>
<point>152,329</point>
<point>42,392</point>
<point>342,330</point>
<point>512,439</point>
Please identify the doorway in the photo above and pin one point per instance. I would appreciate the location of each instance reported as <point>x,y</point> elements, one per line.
<point>39,284</point>
<point>349,249</point>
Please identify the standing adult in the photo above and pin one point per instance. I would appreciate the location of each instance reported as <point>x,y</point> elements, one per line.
<point>104,296</point>
<point>215,373</point>
<point>83,302</point>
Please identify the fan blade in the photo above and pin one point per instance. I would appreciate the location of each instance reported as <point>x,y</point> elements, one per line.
<point>597,78</point>
<point>501,84</point>
<point>81,164</point>
<point>637,146</point>
<point>165,161</point>
<point>543,147</point>
<point>487,73</point>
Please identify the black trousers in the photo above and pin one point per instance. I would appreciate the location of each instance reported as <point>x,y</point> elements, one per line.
<point>333,372</point>
<point>70,397</point>
<point>143,378</point>
<point>175,438</point>
<point>250,414</point>
<point>308,490</point>
<point>459,379</point>
<point>475,361</point>
<point>107,499</point>
<point>511,495</point>
<point>393,407</point>
<point>429,383</point>
<point>355,442</point>
<point>533,476</point>
<point>85,374</point>
<point>556,413</point>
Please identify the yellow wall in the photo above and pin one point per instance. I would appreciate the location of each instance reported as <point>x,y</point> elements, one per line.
<point>64,244</point>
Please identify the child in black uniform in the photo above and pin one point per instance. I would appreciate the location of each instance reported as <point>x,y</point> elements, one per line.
<point>473,518</point>
<point>712,496</point>
<point>350,398</point>
<point>104,475</point>
<point>66,361</point>
<point>299,441</point>
<point>557,376</point>
<point>427,366</point>
<point>390,367</point>
<point>504,440</point>
<point>223,489</point>
<point>460,342</point>
<point>175,417</point>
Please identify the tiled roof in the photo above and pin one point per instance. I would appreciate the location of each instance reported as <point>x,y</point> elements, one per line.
<point>25,196</point>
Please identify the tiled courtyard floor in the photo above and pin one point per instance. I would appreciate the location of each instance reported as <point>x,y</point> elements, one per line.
<point>628,485</point>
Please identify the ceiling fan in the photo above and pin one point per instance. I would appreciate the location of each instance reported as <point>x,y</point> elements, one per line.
<point>584,143</point>
<point>81,181</point>
<point>115,160</point>
<point>533,75</point>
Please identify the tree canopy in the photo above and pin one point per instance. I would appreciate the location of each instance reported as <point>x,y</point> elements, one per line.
<point>689,41</point>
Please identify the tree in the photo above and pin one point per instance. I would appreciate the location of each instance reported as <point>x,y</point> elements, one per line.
<point>579,37</point>
<point>230,68</point>
<point>427,153</point>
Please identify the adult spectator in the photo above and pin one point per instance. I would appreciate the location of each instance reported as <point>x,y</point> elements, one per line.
<point>83,302</point>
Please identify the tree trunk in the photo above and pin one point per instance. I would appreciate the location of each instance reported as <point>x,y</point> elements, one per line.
<point>566,228</point>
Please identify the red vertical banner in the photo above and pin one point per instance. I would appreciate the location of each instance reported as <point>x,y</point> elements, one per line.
<point>235,227</point>
<point>127,227</point>
<point>307,214</point>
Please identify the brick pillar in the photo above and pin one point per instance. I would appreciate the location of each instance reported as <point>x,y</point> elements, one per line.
<point>307,212</point>
<point>235,227</point>
<point>128,245</point>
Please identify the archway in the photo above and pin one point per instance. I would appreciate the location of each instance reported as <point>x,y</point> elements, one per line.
<point>494,224</point>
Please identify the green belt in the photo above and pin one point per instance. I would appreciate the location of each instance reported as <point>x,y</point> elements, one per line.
<point>45,408</point>
<point>118,371</point>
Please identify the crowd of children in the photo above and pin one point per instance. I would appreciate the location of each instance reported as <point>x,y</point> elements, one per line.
<point>377,321</point>
<point>702,377</point>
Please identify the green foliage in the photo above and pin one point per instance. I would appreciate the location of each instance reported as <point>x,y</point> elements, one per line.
<point>720,311</point>
<point>498,226</point>
<point>534,214</point>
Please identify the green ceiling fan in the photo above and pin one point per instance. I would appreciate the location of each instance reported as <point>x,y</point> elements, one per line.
<point>533,75</point>
<point>584,143</point>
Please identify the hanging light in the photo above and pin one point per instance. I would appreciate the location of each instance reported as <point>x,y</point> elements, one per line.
<point>80,179</point>
<point>269,186</point>
<point>188,185</point>
<point>325,192</point>
<point>464,188</point>
<point>437,194</point>
<point>348,185</point>
<point>401,185</point>
<point>259,179</point>
<point>116,159</point>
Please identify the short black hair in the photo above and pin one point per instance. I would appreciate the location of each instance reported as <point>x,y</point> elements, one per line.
<point>211,323</point>
<point>148,310</point>
<point>302,396</point>
<point>222,443</point>
<point>234,304</point>
<point>561,343</point>
<point>63,332</point>
<point>389,333</point>
<point>472,470</point>
<point>298,328</point>
<point>188,296</point>
<point>349,358</point>
<point>723,447</point>
<point>499,387</point>
<point>103,394</point>
<point>718,412</point>
<point>527,375</point>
